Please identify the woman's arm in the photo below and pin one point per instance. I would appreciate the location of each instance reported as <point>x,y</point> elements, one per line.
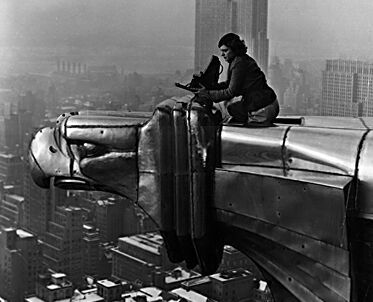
<point>233,87</point>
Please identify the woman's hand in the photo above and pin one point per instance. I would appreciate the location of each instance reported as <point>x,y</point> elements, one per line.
<point>202,95</point>
<point>201,92</point>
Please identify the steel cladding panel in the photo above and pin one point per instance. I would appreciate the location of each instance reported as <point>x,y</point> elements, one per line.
<point>181,177</point>
<point>288,203</point>
<point>252,146</point>
<point>110,130</point>
<point>365,197</point>
<point>322,149</point>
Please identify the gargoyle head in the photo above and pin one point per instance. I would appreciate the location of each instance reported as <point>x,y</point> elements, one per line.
<point>88,152</point>
<point>163,163</point>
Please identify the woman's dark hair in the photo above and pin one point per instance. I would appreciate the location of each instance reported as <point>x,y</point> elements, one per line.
<point>234,42</point>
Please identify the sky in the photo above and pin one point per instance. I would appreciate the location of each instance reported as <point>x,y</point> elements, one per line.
<point>321,28</point>
<point>159,34</point>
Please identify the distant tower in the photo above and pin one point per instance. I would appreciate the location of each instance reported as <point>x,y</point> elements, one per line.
<point>214,18</point>
<point>347,88</point>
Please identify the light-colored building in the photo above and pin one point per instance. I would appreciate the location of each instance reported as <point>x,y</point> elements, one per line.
<point>347,88</point>
<point>214,18</point>
<point>20,263</point>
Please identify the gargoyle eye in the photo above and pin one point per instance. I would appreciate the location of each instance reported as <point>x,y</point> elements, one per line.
<point>89,147</point>
<point>90,150</point>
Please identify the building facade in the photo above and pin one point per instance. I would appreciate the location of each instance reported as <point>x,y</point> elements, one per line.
<point>137,258</point>
<point>234,259</point>
<point>54,287</point>
<point>214,18</point>
<point>11,210</point>
<point>20,263</point>
<point>347,88</point>
<point>109,218</point>
<point>91,251</point>
<point>11,170</point>
<point>62,246</point>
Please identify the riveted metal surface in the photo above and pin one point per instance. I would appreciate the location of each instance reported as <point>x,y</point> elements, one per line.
<point>330,256</point>
<point>284,189</point>
<point>285,202</point>
<point>365,168</point>
<point>323,150</point>
<point>252,146</point>
<point>305,278</point>
<point>202,160</point>
<point>182,184</point>
<point>198,144</point>
<point>155,163</point>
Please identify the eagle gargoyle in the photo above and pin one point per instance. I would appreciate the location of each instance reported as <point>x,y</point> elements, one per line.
<point>296,198</point>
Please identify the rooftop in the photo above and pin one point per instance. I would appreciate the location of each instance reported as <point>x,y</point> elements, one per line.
<point>179,274</point>
<point>150,241</point>
<point>197,281</point>
<point>151,291</point>
<point>23,234</point>
<point>107,283</point>
<point>58,275</point>
<point>16,197</point>
<point>231,275</point>
<point>53,286</point>
<point>33,299</point>
<point>189,295</point>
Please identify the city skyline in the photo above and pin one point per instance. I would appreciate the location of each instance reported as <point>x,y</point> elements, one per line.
<point>267,188</point>
<point>142,40</point>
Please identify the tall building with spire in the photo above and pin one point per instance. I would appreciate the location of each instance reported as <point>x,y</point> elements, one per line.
<point>214,18</point>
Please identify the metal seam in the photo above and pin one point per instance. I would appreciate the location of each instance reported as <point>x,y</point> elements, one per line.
<point>283,151</point>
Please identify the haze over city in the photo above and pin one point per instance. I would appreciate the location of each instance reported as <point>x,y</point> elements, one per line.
<point>158,35</point>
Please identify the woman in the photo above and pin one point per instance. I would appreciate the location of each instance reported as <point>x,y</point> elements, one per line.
<point>258,102</point>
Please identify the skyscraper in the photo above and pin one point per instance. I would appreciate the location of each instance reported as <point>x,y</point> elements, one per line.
<point>19,263</point>
<point>214,18</point>
<point>62,245</point>
<point>347,88</point>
